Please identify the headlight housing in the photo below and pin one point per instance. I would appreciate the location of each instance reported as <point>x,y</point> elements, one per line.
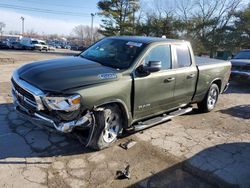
<point>61,103</point>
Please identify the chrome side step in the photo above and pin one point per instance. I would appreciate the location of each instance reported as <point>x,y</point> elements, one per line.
<point>160,119</point>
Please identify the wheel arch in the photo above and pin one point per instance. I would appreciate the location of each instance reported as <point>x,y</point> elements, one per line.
<point>122,107</point>
<point>218,82</point>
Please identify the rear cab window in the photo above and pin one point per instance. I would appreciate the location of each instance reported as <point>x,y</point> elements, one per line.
<point>183,57</point>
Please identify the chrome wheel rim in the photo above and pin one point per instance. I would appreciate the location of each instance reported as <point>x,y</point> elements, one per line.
<point>111,126</point>
<point>212,98</point>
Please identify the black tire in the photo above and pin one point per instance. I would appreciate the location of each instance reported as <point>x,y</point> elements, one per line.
<point>210,100</point>
<point>104,135</point>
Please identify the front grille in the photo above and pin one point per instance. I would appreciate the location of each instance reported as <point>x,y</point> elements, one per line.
<point>23,91</point>
<point>25,98</point>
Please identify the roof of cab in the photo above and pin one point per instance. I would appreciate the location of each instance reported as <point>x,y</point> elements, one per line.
<point>146,40</point>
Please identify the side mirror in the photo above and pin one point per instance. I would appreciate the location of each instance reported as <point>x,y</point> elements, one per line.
<point>153,66</point>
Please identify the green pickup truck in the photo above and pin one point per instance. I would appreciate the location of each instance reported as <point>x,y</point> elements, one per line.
<point>118,84</point>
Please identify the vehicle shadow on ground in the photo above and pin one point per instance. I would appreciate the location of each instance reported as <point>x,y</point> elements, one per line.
<point>240,111</point>
<point>225,165</point>
<point>21,139</point>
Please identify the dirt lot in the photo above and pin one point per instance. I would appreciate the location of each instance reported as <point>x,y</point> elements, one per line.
<point>194,150</point>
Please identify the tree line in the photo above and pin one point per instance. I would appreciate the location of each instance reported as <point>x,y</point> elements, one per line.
<point>210,25</point>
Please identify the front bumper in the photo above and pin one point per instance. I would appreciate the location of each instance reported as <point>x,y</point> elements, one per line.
<point>38,47</point>
<point>240,76</point>
<point>42,121</point>
<point>28,103</point>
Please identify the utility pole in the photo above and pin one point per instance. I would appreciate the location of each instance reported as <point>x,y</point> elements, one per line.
<point>22,18</point>
<point>92,22</point>
<point>2,25</point>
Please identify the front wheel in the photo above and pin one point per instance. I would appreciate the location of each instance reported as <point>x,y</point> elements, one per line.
<point>210,100</point>
<point>108,126</point>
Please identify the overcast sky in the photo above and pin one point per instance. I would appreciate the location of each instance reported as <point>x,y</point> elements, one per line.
<point>61,17</point>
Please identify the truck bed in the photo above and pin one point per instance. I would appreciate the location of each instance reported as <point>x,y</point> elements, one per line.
<point>207,61</point>
<point>210,70</point>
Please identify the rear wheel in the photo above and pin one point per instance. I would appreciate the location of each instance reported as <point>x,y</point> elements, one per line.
<point>108,126</point>
<point>210,100</point>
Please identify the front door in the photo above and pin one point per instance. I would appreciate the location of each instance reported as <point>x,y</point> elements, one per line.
<point>154,93</point>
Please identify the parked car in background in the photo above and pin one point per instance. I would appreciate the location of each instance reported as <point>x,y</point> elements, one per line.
<point>82,48</point>
<point>78,48</point>
<point>51,48</point>
<point>33,44</point>
<point>67,47</point>
<point>241,66</point>
<point>3,45</point>
<point>74,47</point>
<point>16,45</point>
<point>44,45</point>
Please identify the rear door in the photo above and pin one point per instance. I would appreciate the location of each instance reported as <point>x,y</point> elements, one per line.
<point>186,74</point>
<point>154,93</point>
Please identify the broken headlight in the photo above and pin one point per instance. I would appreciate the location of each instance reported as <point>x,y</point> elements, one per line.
<point>67,104</point>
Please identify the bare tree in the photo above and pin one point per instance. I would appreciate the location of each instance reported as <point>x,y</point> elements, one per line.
<point>206,21</point>
<point>83,33</point>
<point>13,32</point>
<point>31,33</point>
<point>80,33</point>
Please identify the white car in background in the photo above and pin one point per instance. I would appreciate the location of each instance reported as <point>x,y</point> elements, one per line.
<point>51,48</point>
<point>33,44</point>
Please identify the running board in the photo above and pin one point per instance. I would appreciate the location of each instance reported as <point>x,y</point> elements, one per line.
<point>160,119</point>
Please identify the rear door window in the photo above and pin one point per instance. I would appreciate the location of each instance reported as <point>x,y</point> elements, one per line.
<point>183,56</point>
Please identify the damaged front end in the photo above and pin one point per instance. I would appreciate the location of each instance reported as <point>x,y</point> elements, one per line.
<point>61,113</point>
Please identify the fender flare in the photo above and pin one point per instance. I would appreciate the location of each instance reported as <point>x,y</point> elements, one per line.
<point>121,104</point>
<point>217,80</point>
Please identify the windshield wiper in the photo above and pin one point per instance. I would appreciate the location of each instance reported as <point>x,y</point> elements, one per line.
<point>101,63</point>
<point>91,59</point>
<point>112,66</point>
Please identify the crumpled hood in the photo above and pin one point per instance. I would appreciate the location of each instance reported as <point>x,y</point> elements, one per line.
<point>65,73</point>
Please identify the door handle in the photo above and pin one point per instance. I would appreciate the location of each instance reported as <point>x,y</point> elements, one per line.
<point>190,76</point>
<point>169,79</point>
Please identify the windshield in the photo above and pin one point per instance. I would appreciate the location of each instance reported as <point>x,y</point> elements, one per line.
<point>43,43</point>
<point>243,55</point>
<point>116,53</point>
<point>34,42</point>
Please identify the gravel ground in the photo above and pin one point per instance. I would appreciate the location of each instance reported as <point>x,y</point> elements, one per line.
<point>193,150</point>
